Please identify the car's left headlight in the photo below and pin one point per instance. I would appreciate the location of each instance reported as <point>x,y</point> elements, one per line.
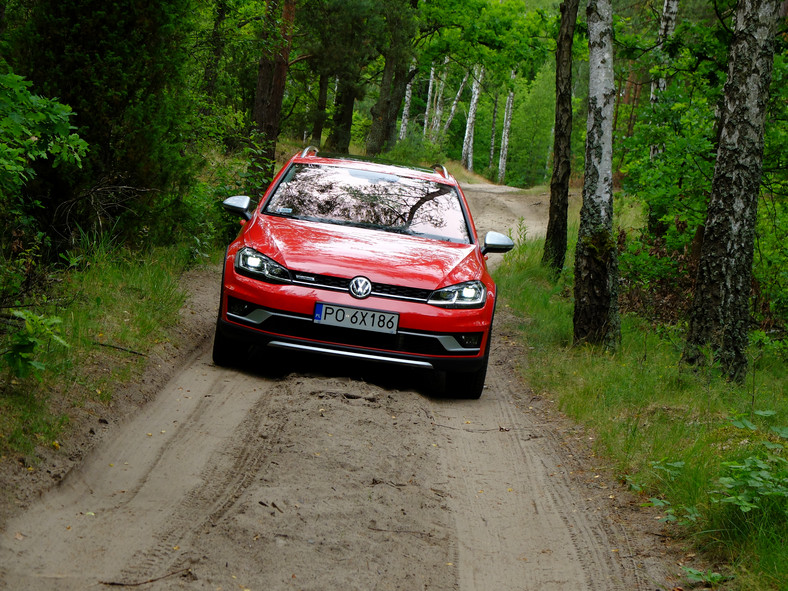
<point>251,263</point>
<point>471,294</point>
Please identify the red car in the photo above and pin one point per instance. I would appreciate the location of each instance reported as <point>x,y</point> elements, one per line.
<point>361,260</point>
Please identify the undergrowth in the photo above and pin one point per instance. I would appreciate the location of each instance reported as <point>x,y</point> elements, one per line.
<point>710,454</point>
<point>90,330</point>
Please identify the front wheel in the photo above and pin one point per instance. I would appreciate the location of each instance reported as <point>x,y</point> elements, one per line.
<point>226,351</point>
<point>467,384</point>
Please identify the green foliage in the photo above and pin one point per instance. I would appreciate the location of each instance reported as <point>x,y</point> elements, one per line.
<point>119,65</point>
<point>698,449</point>
<point>757,483</point>
<point>32,128</point>
<point>38,332</point>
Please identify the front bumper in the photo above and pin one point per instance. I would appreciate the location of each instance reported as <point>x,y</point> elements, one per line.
<point>254,324</point>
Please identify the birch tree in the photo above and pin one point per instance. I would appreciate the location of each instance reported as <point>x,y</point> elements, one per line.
<point>467,144</point>
<point>719,316</point>
<point>507,126</point>
<point>596,316</point>
<point>454,104</point>
<point>666,28</point>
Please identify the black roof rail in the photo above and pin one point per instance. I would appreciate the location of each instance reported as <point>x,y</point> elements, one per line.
<point>308,149</point>
<point>440,169</point>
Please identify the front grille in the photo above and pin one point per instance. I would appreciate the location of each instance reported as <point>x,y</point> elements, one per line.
<point>303,327</point>
<point>382,290</point>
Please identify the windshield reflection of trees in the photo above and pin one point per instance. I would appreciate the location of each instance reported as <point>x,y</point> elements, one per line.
<point>369,199</point>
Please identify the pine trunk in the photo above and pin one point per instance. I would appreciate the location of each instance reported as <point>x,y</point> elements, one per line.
<point>596,316</point>
<point>556,238</point>
<point>271,79</point>
<point>339,138</point>
<point>719,316</point>
<point>320,110</point>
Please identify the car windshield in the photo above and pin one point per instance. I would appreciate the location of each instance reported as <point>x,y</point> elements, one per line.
<point>370,199</point>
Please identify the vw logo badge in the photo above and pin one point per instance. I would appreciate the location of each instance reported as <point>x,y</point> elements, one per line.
<point>360,287</point>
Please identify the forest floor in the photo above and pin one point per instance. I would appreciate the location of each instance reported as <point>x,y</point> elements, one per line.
<point>324,475</point>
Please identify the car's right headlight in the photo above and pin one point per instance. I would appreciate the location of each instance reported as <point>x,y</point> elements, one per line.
<point>471,294</point>
<point>251,263</point>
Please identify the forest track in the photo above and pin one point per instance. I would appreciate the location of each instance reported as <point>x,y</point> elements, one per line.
<point>320,474</point>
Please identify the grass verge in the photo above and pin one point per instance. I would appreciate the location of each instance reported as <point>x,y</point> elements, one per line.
<point>710,454</point>
<point>101,318</point>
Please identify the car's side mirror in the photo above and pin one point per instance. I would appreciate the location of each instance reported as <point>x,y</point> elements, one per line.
<point>239,205</point>
<point>497,242</point>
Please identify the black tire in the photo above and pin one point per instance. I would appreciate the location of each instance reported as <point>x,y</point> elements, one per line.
<point>226,351</point>
<point>466,385</point>
<point>469,385</point>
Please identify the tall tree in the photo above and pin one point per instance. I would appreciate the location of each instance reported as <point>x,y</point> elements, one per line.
<point>120,64</point>
<point>401,26</point>
<point>719,316</point>
<point>667,25</point>
<point>470,124</point>
<point>596,316</point>
<point>272,76</point>
<point>507,127</point>
<point>556,238</point>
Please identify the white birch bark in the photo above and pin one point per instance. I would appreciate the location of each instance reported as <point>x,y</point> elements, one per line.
<point>467,144</point>
<point>596,318</point>
<point>403,127</point>
<point>438,110</point>
<point>507,126</point>
<point>429,101</point>
<point>666,27</point>
<point>454,104</point>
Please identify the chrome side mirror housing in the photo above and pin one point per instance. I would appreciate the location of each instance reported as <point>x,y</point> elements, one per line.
<point>497,242</point>
<point>239,205</point>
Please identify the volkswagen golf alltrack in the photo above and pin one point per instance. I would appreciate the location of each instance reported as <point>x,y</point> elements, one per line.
<point>363,260</point>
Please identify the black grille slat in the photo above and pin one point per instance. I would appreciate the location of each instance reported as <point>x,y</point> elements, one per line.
<point>385,290</point>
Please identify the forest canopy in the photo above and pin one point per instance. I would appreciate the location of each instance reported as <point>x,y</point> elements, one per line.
<point>113,111</point>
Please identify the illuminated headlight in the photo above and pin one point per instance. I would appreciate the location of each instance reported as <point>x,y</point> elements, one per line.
<point>463,295</point>
<point>253,264</point>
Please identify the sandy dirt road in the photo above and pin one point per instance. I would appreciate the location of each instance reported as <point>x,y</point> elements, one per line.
<point>324,475</point>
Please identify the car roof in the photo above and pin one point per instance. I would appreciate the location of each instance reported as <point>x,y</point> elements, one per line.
<point>436,173</point>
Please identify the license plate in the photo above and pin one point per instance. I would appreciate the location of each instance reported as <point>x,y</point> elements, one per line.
<point>356,318</point>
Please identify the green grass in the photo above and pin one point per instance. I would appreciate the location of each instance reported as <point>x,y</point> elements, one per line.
<point>114,306</point>
<point>670,432</point>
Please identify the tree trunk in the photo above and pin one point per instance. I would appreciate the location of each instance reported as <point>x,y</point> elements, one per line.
<point>493,131</point>
<point>216,43</point>
<point>507,126</point>
<point>556,238</point>
<point>429,101</point>
<point>403,128</point>
<point>719,315</point>
<point>339,138</point>
<point>596,316</point>
<point>453,109</point>
<point>320,110</point>
<point>667,25</point>
<point>384,113</point>
<point>271,79</point>
<point>437,115</point>
<point>467,145</point>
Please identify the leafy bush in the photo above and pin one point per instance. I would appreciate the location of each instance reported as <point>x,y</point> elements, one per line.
<point>26,345</point>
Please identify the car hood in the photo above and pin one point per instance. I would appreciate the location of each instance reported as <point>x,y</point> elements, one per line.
<point>346,251</point>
